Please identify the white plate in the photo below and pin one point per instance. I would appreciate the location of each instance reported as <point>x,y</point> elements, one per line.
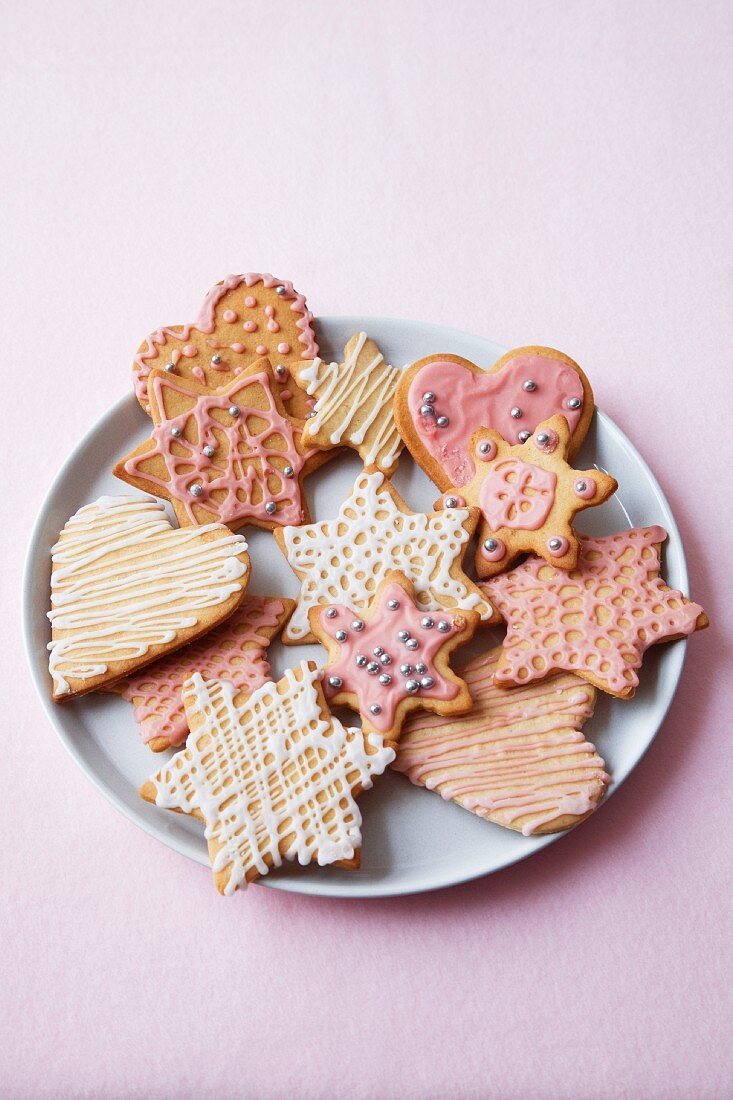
<point>413,840</point>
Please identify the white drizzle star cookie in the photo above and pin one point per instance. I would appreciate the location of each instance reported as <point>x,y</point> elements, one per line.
<point>127,588</point>
<point>273,776</point>
<point>517,758</point>
<point>344,559</point>
<point>354,403</point>
<point>393,658</point>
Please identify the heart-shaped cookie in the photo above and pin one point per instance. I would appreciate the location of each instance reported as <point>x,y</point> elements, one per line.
<point>243,318</point>
<point>126,587</point>
<point>443,399</point>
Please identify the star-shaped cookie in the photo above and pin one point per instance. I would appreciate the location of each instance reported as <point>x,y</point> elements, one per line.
<point>392,658</point>
<point>235,651</point>
<point>243,318</point>
<point>233,456</point>
<point>598,619</point>
<point>273,776</point>
<point>344,559</point>
<point>528,495</point>
<point>517,758</point>
<point>353,403</point>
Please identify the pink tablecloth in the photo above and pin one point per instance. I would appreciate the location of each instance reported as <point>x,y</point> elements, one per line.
<point>555,173</point>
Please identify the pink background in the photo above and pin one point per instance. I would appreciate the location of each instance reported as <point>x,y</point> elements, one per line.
<point>537,172</point>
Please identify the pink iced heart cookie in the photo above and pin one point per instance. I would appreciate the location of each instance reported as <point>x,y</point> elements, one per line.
<point>443,399</point>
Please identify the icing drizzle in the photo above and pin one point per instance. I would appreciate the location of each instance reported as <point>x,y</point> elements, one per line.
<point>123,581</point>
<point>518,758</point>
<point>272,777</point>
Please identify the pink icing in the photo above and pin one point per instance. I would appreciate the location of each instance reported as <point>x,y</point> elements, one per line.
<point>229,316</point>
<point>599,618</point>
<point>206,323</point>
<point>269,311</point>
<point>234,651</point>
<point>517,495</point>
<point>589,488</point>
<point>242,463</point>
<point>516,755</point>
<point>190,350</point>
<point>472,401</point>
<point>250,326</point>
<point>382,632</point>
<point>261,349</point>
<point>273,326</point>
<point>237,347</point>
<point>283,348</point>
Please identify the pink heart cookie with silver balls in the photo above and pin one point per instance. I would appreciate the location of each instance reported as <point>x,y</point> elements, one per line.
<point>443,399</point>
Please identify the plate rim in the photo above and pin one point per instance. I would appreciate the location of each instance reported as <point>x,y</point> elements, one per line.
<point>332,887</point>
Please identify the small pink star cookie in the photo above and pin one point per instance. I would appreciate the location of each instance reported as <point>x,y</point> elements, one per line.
<point>235,652</point>
<point>528,496</point>
<point>231,456</point>
<point>597,620</point>
<point>393,657</point>
<point>243,318</point>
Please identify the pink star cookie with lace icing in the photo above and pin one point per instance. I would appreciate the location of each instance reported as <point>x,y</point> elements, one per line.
<point>528,496</point>
<point>597,620</point>
<point>392,658</point>
<point>231,456</point>
<point>242,318</point>
<point>235,652</point>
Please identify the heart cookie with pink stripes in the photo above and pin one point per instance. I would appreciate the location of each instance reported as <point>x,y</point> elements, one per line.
<point>443,399</point>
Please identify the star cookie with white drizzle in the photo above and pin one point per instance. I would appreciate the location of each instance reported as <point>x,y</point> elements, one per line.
<point>353,403</point>
<point>273,776</point>
<point>233,455</point>
<point>344,559</point>
<point>597,620</point>
<point>392,658</point>
<point>527,495</point>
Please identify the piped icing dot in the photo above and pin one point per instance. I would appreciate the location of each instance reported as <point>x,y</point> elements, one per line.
<point>546,440</point>
<point>190,350</point>
<point>250,301</point>
<point>229,316</point>
<point>585,488</point>
<point>237,347</point>
<point>269,311</point>
<point>493,549</point>
<point>558,546</point>
<point>261,349</point>
<point>198,373</point>
<point>250,326</point>
<point>486,450</point>
<point>273,326</point>
<point>283,348</point>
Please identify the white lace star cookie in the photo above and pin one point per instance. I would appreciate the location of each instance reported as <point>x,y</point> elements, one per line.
<point>273,776</point>
<point>342,560</point>
<point>354,403</point>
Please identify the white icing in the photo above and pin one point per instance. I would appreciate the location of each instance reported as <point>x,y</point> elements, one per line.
<point>123,581</point>
<point>343,391</point>
<point>343,560</point>
<point>280,763</point>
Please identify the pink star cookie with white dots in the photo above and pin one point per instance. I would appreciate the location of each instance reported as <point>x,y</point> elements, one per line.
<point>392,658</point>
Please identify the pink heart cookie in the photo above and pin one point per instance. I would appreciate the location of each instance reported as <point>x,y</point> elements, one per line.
<point>443,399</point>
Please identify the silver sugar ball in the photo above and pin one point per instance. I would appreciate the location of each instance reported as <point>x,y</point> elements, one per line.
<point>442,421</point>
<point>335,681</point>
<point>443,626</point>
<point>385,659</point>
<point>581,486</point>
<point>412,643</point>
<point>280,370</point>
<point>196,490</point>
<point>310,415</point>
<point>542,438</point>
<point>372,668</point>
<point>529,386</point>
<point>516,413</point>
<point>271,507</point>
<point>377,651</point>
<point>280,290</point>
<point>573,402</point>
<point>524,435</point>
<point>331,613</point>
<point>209,451</point>
<point>451,502</point>
<point>411,686</point>
<point>340,635</point>
<point>234,410</point>
<point>490,545</point>
<point>175,432</point>
<point>428,397</point>
<point>216,359</point>
<point>393,605</point>
<point>375,709</point>
<point>170,368</point>
<point>361,660</point>
<point>288,471</point>
<point>427,623</point>
<point>555,544</point>
<point>427,410</point>
<point>427,682</point>
<point>484,447</point>
<point>403,635</point>
<point>420,668</point>
<point>385,679</point>
<point>357,624</point>
<point>406,670</point>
